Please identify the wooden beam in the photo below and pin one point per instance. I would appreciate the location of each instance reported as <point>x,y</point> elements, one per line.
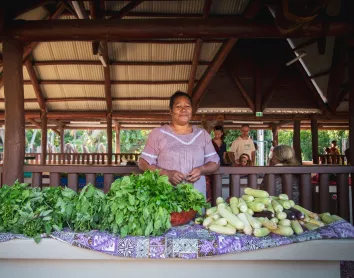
<point>116,30</point>
<point>351,108</point>
<point>113,82</point>
<point>79,8</point>
<point>314,133</point>
<point>297,140</point>
<point>271,90</point>
<point>243,91</point>
<point>338,70</point>
<point>320,104</point>
<point>117,63</point>
<point>257,88</point>
<point>219,58</point>
<point>37,89</point>
<point>126,9</point>
<point>14,150</point>
<point>193,72</point>
<point>51,100</point>
<point>38,125</point>
<point>44,126</point>
<point>107,77</point>
<point>109,138</point>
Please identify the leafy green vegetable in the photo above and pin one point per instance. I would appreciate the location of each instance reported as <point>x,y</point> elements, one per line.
<point>138,205</point>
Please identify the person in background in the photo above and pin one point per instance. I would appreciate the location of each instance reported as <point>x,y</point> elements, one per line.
<point>284,155</point>
<point>347,155</point>
<point>334,148</point>
<point>183,152</point>
<point>244,160</point>
<point>244,144</point>
<point>218,143</point>
<point>270,155</point>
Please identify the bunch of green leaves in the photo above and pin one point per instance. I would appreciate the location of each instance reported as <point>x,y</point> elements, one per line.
<point>87,213</point>
<point>186,197</point>
<point>23,210</point>
<point>62,202</point>
<point>139,205</point>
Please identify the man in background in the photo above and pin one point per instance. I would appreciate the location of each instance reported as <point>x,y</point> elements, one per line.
<point>244,144</point>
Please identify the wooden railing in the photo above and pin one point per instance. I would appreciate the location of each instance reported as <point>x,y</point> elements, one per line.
<point>332,159</point>
<point>308,193</point>
<point>78,158</point>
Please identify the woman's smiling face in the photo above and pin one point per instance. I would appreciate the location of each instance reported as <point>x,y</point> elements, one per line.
<point>181,111</point>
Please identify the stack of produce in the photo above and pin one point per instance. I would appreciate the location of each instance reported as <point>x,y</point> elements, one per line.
<point>135,205</point>
<point>256,213</point>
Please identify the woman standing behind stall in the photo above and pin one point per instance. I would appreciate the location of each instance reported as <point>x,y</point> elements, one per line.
<point>218,143</point>
<point>183,152</point>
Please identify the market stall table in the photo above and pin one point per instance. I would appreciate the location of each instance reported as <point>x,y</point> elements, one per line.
<point>187,251</point>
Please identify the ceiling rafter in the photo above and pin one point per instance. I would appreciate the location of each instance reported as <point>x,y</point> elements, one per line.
<point>38,125</point>
<point>197,51</point>
<point>117,63</point>
<point>102,82</point>
<point>204,82</point>
<point>242,90</point>
<point>36,87</point>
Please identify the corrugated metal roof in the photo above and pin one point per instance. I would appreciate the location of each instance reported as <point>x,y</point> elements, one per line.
<point>141,105</point>
<point>150,72</point>
<point>29,91</point>
<point>150,52</point>
<point>70,72</point>
<point>78,106</point>
<point>72,50</point>
<point>228,6</point>
<point>183,7</point>
<point>209,50</point>
<point>25,74</point>
<point>35,14</point>
<point>2,106</point>
<point>71,91</point>
<point>2,92</point>
<point>291,111</point>
<point>31,106</point>
<point>160,90</point>
<point>343,107</point>
<point>195,6</point>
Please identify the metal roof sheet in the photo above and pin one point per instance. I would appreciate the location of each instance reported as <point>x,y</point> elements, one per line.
<point>77,106</point>
<point>151,52</point>
<point>66,50</point>
<point>72,91</point>
<point>141,105</point>
<point>160,90</point>
<point>180,72</point>
<point>29,91</point>
<point>70,72</point>
<point>25,74</point>
<point>32,106</point>
<point>209,50</point>
<point>343,107</point>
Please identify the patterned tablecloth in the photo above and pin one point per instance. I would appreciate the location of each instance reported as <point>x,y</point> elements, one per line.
<point>193,241</point>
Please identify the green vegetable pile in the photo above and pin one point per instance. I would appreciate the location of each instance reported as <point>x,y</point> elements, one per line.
<point>135,205</point>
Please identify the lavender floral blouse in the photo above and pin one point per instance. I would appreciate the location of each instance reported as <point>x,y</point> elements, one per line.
<point>168,150</point>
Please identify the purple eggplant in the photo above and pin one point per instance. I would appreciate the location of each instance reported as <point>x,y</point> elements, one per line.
<point>298,214</point>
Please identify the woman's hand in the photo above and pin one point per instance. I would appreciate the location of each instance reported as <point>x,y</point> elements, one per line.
<point>174,177</point>
<point>194,175</point>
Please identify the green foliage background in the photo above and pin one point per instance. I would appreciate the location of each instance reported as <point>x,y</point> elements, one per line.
<point>133,141</point>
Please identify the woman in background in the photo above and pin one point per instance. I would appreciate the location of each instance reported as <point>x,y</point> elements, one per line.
<point>284,155</point>
<point>218,143</point>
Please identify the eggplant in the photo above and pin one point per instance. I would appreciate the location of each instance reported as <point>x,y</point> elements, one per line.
<point>265,213</point>
<point>290,215</point>
<point>298,214</point>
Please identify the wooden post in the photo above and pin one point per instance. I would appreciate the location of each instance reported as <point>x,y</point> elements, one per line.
<point>296,141</point>
<point>109,138</point>
<point>275,133</point>
<point>351,113</point>
<point>44,138</point>
<point>117,129</point>
<point>314,132</point>
<point>62,141</point>
<point>14,151</point>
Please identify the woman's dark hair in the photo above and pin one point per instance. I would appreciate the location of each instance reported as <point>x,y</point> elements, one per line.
<point>219,127</point>
<point>179,94</point>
